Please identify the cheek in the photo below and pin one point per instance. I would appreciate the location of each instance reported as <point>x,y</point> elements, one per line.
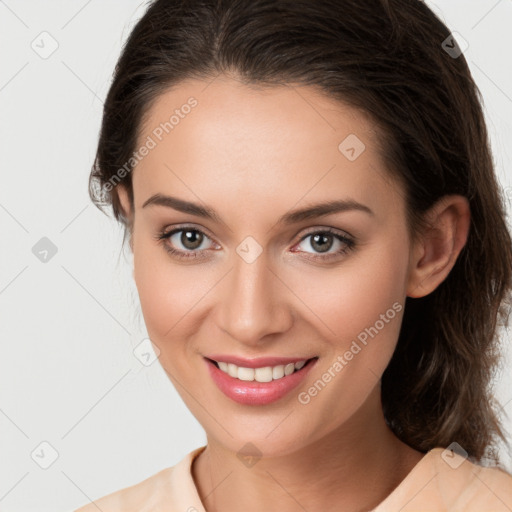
<point>167,293</point>
<point>352,297</point>
<point>362,302</point>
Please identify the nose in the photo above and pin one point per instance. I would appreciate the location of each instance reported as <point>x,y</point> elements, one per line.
<point>254,303</point>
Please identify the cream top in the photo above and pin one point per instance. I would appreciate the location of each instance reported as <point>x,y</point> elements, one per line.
<point>436,483</point>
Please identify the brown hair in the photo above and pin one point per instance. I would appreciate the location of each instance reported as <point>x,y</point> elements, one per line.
<point>392,60</point>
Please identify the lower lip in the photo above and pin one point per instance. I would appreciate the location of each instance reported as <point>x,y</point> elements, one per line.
<point>257,393</point>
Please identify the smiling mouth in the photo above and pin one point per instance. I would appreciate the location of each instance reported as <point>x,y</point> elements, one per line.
<point>262,374</point>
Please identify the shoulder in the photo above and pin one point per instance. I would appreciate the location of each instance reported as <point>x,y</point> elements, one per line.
<point>474,487</point>
<point>161,491</point>
<point>445,481</point>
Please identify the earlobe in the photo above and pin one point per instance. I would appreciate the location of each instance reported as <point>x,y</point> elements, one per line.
<point>436,251</point>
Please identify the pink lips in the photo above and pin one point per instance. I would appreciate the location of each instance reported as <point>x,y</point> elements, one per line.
<point>253,392</point>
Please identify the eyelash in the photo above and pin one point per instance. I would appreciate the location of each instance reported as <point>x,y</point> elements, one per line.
<point>163,236</point>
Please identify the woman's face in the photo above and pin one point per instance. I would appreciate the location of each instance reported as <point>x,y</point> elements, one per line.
<point>249,279</point>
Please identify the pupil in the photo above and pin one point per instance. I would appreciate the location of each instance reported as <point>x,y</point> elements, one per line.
<point>187,239</point>
<point>322,247</point>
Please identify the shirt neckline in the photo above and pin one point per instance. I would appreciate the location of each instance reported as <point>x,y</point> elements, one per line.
<point>183,472</point>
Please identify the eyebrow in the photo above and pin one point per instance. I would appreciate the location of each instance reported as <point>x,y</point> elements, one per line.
<point>309,212</point>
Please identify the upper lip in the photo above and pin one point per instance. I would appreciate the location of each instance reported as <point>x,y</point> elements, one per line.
<point>257,362</point>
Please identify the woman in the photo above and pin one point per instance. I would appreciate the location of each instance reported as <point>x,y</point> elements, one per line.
<point>320,251</point>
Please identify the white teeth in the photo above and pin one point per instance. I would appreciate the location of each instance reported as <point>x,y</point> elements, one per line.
<point>289,369</point>
<point>278,372</point>
<point>245,373</point>
<point>299,365</point>
<point>264,374</point>
<point>233,370</point>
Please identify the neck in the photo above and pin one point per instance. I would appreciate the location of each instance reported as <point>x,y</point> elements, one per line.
<point>353,468</point>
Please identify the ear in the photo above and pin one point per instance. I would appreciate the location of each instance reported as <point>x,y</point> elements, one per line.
<point>434,254</point>
<point>126,207</point>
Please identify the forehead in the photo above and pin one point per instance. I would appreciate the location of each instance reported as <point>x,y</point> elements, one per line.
<point>275,144</point>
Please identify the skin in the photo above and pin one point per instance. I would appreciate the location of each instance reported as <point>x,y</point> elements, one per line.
<point>252,155</point>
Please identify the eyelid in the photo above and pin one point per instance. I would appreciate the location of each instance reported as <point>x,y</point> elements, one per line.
<point>330,230</point>
<point>167,233</point>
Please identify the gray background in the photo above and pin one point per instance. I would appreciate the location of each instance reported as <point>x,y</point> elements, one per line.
<point>69,325</point>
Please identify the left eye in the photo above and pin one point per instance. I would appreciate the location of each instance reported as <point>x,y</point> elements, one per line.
<point>323,241</point>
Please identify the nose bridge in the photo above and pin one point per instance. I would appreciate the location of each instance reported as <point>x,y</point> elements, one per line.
<point>254,304</point>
